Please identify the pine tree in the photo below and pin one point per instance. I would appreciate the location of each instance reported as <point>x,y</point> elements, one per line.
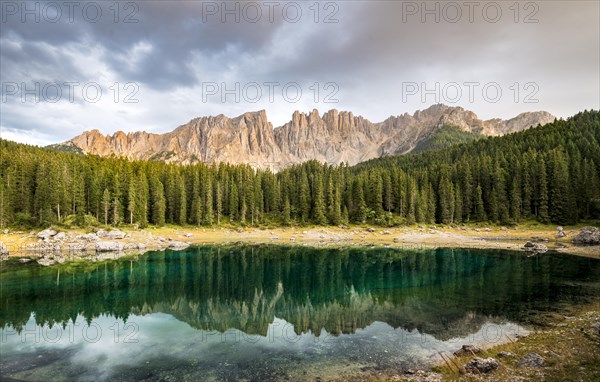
<point>360,212</point>
<point>142,197</point>
<point>479,206</point>
<point>131,200</point>
<point>458,205</point>
<point>412,197</point>
<point>318,201</point>
<point>106,204</point>
<point>542,211</point>
<point>527,192</point>
<point>376,193</point>
<point>515,200</point>
<point>445,200</point>
<point>208,201</point>
<point>116,210</point>
<point>431,206</point>
<point>304,198</point>
<point>181,201</point>
<point>219,203</point>
<point>331,202</point>
<point>560,208</point>
<point>233,202</point>
<point>286,212</point>
<point>197,200</point>
<point>159,204</point>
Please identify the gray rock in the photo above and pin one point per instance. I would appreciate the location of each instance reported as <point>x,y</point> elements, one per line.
<point>3,249</point>
<point>371,230</point>
<point>467,350</point>
<point>24,260</point>
<point>114,234</point>
<point>46,234</point>
<point>482,365</point>
<point>531,360</point>
<point>46,262</point>
<point>560,234</point>
<point>535,247</point>
<point>178,245</point>
<point>387,232</point>
<point>560,229</point>
<point>588,235</point>
<point>188,234</point>
<point>88,237</point>
<point>109,246</point>
<point>76,247</point>
<point>141,246</point>
<point>60,236</point>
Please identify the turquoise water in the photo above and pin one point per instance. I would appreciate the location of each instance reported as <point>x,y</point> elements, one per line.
<point>261,313</point>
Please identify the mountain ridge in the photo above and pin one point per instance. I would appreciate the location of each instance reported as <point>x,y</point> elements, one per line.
<point>333,137</point>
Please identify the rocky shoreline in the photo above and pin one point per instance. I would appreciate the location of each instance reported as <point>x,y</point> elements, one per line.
<point>52,246</point>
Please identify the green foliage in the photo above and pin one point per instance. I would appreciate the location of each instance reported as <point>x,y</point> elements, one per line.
<point>80,221</point>
<point>549,173</point>
<point>445,136</point>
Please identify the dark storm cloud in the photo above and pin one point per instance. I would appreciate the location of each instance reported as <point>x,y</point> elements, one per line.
<point>369,51</point>
<point>175,31</point>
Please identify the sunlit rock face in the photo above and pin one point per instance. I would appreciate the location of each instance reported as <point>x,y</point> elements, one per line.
<point>334,137</point>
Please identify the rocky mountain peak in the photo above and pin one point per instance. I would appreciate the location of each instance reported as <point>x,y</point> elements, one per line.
<point>334,137</point>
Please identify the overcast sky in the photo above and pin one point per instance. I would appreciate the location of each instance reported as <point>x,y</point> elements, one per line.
<point>159,64</point>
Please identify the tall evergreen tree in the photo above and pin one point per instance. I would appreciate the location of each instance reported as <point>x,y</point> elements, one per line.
<point>106,205</point>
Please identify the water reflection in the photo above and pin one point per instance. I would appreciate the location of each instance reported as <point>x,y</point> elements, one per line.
<point>280,312</point>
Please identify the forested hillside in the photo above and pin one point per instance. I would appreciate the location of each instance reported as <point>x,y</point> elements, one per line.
<point>446,136</point>
<point>547,173</point>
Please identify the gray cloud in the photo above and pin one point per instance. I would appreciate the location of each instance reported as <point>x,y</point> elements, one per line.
<point>369,53</point>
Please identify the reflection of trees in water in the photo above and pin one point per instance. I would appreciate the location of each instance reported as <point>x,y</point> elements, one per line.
<point>441,292</point>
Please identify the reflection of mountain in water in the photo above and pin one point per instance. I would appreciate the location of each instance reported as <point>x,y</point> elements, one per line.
<point>445,293</point>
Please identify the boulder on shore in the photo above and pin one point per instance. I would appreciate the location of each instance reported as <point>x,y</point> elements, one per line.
<point>178,245</point>
<point>3,249</point>
<point>588,235</point>
<point>482,365</point>
<point>46,234</point>
<point>467,350</point>
<point>535,247</point>
<point>60,236</point>
<point>88,237</point>
<point>114,234</point>
<point>531,360</point>
<point>109,246</point>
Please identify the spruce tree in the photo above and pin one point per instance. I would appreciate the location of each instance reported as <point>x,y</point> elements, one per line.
<point>106,205</point>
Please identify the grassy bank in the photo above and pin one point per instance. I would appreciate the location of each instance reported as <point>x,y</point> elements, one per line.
<point>569,343</point>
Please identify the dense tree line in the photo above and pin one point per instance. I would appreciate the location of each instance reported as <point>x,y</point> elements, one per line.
<point>548,173</point>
